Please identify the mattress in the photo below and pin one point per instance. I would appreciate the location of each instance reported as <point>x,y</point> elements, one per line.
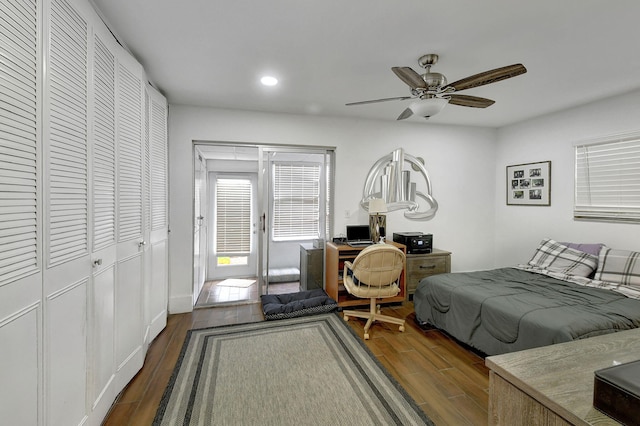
<point>508,309</point>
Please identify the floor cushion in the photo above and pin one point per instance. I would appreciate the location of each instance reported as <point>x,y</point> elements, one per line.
<point>291,305</point>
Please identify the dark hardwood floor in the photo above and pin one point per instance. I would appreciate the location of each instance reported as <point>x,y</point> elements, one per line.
<point>450,383</point>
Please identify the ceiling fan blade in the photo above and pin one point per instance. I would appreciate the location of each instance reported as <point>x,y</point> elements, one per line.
<point>410,77</point>
<point>405,114</point>
<point>400,98</point>
<point>487,77</point>
<point>470,101</point>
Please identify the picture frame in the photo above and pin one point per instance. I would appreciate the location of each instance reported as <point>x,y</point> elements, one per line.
<point>529,184</point>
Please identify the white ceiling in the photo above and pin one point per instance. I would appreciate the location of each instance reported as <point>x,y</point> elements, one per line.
<point>329,52</point>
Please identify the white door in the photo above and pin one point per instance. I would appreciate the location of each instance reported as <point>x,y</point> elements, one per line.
<point>157,250</point>
<point>21,304</point>
<point>199,224</point>
<point>293,205</point>
<point>103,231</point>
<point>129,320</point>
<point>67,264</point>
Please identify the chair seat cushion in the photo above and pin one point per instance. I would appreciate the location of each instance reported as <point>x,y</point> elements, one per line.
<point>292,305</point>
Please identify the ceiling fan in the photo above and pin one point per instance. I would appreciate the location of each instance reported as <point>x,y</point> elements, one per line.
<point>433,92</point>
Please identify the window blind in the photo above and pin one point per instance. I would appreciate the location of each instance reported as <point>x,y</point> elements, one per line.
<point>296,203</point>
<point>233,215</point>
<point>329,194</point>
<point>607,179</point>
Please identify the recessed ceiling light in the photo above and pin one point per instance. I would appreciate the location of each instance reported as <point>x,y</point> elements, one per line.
<point>268,80</point>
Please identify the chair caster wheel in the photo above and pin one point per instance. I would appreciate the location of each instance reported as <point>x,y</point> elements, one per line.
<point>366,336</point>
<point>401,328</point>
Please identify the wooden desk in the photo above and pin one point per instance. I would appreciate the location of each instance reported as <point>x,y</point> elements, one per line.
<point>553,385</point>
<point>336,254</point>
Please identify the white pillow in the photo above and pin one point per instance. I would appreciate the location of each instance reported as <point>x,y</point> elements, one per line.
<point>619,267</point>
<point>555,257</point>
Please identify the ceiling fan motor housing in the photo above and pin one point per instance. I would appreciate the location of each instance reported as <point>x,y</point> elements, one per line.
<point>434,80</point>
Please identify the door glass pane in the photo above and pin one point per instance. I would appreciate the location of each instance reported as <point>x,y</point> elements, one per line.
<point>233,221</point>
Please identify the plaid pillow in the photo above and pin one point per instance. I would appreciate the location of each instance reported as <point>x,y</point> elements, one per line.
<point>555,257</point>
<point>619,266</point>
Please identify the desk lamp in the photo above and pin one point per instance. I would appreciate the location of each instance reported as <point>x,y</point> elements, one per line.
<point>377,220</point>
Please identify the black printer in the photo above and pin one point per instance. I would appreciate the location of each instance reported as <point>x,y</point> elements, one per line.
<point>416,242</point>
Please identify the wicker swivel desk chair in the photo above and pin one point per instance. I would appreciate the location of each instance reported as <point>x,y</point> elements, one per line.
<point>374,274</point>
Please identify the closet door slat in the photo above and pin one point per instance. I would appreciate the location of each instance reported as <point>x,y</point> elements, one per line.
<point>158,146</point>
<point>67,159</point>
<point>104,146</point>
<point>19,186</point>
<point>146,208</point>
<point>129,124</point>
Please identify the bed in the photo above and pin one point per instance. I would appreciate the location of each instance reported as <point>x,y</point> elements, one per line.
<point>562,294</point>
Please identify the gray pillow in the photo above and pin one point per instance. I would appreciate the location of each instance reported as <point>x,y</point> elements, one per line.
<point>593,249</point>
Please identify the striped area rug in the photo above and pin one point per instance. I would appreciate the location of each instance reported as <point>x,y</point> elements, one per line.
<point>302,371</point>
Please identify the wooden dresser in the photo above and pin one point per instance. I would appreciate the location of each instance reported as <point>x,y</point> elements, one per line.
<point>553,385</point>
<point>335,256</point>
<point>420,266</point>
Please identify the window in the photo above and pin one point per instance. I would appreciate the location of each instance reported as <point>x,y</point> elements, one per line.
<point>607,179</point>
<point>233,220</point>
<point>296,201</point>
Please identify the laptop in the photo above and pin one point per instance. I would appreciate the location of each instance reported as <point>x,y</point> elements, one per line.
<point>358,236</point>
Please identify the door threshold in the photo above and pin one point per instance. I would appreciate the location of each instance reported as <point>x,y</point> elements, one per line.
<point>230,303</point>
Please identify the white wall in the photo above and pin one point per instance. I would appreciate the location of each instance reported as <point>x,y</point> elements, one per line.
<point>551,137</point>
<point>460,162</point>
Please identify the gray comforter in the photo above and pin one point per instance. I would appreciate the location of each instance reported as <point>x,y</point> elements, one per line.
<point>506,310</point>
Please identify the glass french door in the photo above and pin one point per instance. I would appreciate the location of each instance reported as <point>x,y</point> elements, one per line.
<point>294,198</point>
<point>199,226</point>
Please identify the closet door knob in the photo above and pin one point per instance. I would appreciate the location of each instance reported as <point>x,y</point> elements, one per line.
<point>142,243</point>
<point>97,262</point>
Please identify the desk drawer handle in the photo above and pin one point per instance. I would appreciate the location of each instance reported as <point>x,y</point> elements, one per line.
<point>427,267</point>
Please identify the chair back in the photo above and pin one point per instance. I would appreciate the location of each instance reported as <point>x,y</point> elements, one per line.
<point>379,265</point>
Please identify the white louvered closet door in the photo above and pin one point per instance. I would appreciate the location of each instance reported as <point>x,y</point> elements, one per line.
<point>129,303</point>
<point>20,213</point>
<point>156,270</point>
<point>146,223</point>
<point>66,200</point>
<point>103,189</point>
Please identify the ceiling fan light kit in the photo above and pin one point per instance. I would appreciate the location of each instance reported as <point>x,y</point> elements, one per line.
<point>433,92</point>
<point>427,107</point>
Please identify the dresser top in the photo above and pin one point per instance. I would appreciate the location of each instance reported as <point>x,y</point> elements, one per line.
<point>561,376</point>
